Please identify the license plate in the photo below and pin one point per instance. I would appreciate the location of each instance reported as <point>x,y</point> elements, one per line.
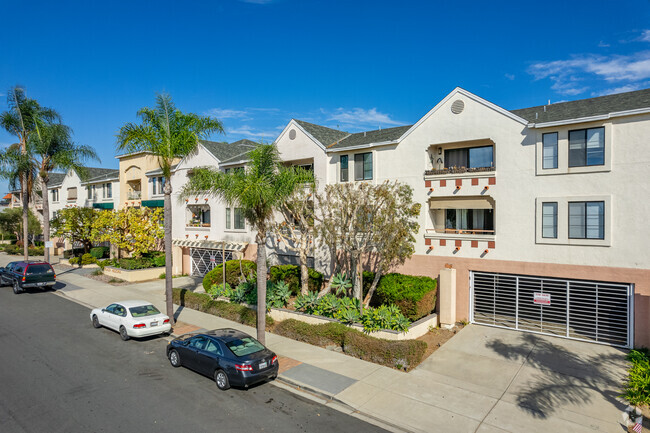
<point>263,364</point>
<point>153,324</point>
<point>41,284</point>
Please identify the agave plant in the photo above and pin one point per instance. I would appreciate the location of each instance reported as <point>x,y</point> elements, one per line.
<point>218,290</point>
<point>307,303</point>
<point>347,316</point>
<point>278,294</point>
<point>340,284</point>
<point>238,295</point>
<point>327,305</point>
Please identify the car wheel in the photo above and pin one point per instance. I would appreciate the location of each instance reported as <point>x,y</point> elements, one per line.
<point>17,289</point>
<point>123,333</point>
<point>221,379</point>
<point>96,323</point>
<point>174,358</point>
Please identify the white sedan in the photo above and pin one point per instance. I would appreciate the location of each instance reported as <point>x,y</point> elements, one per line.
<point>131,319</point>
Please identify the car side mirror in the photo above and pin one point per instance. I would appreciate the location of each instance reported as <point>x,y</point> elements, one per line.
<point>103,310</point>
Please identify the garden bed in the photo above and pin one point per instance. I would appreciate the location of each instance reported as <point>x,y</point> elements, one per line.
<point>66,262</point>
<point>134,275</point>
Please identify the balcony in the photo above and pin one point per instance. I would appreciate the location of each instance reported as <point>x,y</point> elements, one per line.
<point>134,195</point>
<point>464,168</point>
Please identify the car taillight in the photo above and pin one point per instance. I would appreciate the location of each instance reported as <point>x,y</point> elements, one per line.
<point>55,276</point>
<point>275,358</point>
<point>166,321</point>
<point>139,325</point>
<point>244,367</point>
<point>23,279</point>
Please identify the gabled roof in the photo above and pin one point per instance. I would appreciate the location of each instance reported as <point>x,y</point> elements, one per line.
<point>97,173</point>
<point>584,108</point>
<point>371,137</point>
<point>326,136</point>
<point>158,171</point>
<point>224,151</point>
<point>56,179</point>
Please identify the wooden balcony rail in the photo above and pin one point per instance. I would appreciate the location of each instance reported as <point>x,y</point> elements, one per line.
<point>458,170</point>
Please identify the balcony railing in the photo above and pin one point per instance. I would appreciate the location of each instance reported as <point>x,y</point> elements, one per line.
<point>134,195</point>
<point>197,224</point>
<point>460,232</point>
<point>458,170</point>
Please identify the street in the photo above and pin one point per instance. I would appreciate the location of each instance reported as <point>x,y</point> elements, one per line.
<point>59,374</point>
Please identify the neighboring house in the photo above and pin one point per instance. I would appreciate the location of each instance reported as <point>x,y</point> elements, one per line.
<point>203,226</point>
<point>135,189</point>
<point>528,206</point>
<point>36,203</point>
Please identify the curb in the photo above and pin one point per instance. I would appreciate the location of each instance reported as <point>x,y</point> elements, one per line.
<point>328,399</point>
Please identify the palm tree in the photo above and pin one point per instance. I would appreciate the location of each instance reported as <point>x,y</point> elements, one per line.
<point>168,134</point>
<point>21,120</point>
<point>51,148</point>
<point>259,191</point>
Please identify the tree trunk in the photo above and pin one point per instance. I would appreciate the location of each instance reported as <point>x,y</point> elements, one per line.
<point>23,190</point>
<point>167,215</point>
<point>357,288</point>
<point>261,285</point>
<point>304,272</point>
<point>371,292</point>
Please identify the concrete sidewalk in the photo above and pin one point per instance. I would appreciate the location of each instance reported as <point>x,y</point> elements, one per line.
<point>482,380</point>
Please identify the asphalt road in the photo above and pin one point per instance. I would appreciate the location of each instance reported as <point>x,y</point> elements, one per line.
<point>59,374</point>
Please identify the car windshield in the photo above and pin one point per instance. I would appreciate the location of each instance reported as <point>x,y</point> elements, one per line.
<point>39,269</point>
<point>143,310</point>
<point>245,346</point>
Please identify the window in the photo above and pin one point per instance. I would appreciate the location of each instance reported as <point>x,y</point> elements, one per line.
<point>363,166</point>
<point>240,223</point>
<point>344,168</point>
<point>72,193</point>
<point>587,147</point>
<point>107,190</point>
<point>55,195</point>
<point>549,150</point>
<point>228,223</point>
<point>89,194</point>
<point>471,157</point>
<point>213,348</point>
<point>479,221</point>
<point>549,220</point>
<point>198,342</point>
<point>198,215</point>
<point>587,220</point>
<point>158,184</point>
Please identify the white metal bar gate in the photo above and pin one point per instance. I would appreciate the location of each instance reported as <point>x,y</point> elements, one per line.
<point>583,310</point>
<point>204,260</point>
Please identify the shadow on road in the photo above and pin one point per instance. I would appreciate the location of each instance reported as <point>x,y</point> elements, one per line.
<point>563,377</point>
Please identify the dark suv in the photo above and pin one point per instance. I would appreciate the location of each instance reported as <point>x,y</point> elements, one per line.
<point>23,275</point>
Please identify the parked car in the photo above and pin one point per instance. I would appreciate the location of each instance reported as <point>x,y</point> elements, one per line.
<point>131,319</point>
<point>229,356</point>
<point>27,274</point>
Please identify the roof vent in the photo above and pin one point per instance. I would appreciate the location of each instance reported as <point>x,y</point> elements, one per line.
<point>292,134</point>
<point>364,133</point>
<point>457,107</point>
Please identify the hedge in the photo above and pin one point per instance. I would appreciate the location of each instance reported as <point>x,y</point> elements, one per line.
<point>290,274</point>
<point>233,273</point>
<point>402,355</point>
<point>205,303</point>
<point>414,296</point>
<point>100,252</point>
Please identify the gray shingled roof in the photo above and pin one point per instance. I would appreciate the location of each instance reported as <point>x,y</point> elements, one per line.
<point>159,171</point>
<point>224,151</point>
<point>326,136</point>
<point>586,107</point>
<point>55,179</point>
<point>368,137</point>
<point>94,174</point>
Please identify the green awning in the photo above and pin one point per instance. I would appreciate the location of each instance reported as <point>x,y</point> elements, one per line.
<point>103,205</point>
<point>153,203</point>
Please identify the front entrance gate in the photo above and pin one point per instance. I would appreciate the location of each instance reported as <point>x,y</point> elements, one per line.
<point>583,310</point>
<point>204,260</point>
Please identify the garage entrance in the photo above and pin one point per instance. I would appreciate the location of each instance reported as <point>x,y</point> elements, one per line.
<point>593,311</point>
<point>204,260</point>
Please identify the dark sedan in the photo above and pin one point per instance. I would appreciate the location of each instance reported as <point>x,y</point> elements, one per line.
<point>229,356</point>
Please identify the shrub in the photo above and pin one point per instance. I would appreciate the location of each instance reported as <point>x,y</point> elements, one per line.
<point>100,252</point>
<point>233,273</point>
<point>88,259</point>
<point>290,274</point>
<point>74,260</point>
<point>155,258</point>
<point>108,262</point>
<point>637,385</point>
<point>203,302</point>
<point>133,263</point>
<point>414,296</point>
<point>403,355</point>
<point>384,317</point>
<point>36,251</point>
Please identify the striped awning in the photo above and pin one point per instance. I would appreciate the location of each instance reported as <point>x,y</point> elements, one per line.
<point>461,203</point>
<point>213,245</point>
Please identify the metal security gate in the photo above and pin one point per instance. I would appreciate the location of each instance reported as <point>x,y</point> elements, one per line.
<point>204,260</point>
<point>593,311</point>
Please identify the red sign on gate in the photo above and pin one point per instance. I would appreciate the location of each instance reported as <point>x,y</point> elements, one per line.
<point>213,259</point>
<point>542,298</point>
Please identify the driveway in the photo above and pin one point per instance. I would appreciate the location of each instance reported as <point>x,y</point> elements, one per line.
<point>528,382</point>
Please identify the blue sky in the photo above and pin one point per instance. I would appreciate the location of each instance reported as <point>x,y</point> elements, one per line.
<point>350,64</point>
